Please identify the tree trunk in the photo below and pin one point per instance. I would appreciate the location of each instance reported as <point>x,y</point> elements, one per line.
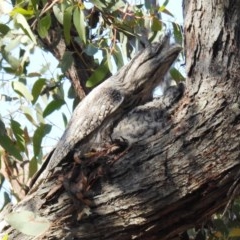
<point>179,177</point>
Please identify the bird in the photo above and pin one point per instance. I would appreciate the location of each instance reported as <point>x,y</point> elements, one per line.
<point>130,87</point>
<point>146,120</point>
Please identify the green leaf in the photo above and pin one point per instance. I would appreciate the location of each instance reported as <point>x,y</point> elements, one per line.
<point>34,4</point>
<point>161,9</point>
<point>168,12</point>
<point>26,12</point>
<point>118,57</point>
<point>98,75</point>
<point>9,146</point>
<point>79,23</point>
<point>177,33</point>
<point>18,133</point>
<point>116,5</point>
<point>58,13</point>
<point>28,114</point>
<point>64,119</point>
<point>21,90</point>
<point>52,106</point>
<point>38,136</point>
<point>39,113</point>
<point>22,22</point>
<point>66,62</point>
<point>98,4</point>
<point>90,50</point>
<point>13,61</point>
<point>4,29</point>
<point>5,237</point>
<point>67,23</point>
<point>156,24</point>
<point>2,128</point>
<point>28,222</point>
<point>176,75</point>
<point>43,26</point>
<point>33,167</point>
<point>37,88</point>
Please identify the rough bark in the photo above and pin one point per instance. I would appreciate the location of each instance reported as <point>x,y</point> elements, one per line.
<point>188,170</point>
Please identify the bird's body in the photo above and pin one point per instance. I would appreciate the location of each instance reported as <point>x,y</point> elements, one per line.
<point>105,104</point>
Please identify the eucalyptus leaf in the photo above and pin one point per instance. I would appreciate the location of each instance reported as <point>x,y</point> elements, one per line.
<point>100,5</point>
<point>27,111</point>
<point>21,20</point>
<point>177,33</point>
<point>98,75</point>
<point>58,13</point>
<point>19,134</point>
<point>79,23</point>
<point>176,75</point>
<point>22,90</point>
<point>43,25</point>
<point>67,23</point>
<point>37,88</point>
<point>4,29</point>
<point>28,222</point>
<point>53,106</point>
<point>38,136</point>
<point>9,146</point>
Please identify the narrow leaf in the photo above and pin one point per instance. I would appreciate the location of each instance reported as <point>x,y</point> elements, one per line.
<point>176,75</point>
<point>18,133</point>
<point>91,50</point>
<point>177,33</point>
<point>9,146</point>
<point>100,5</point>
<point>58,13</point>
<point>118,57</point>
<point>28,114</point>
<point>79,23</point>
<point>4,29</point>
<point>65,121</point>
<point>37,88</point>
<point>28,222</point>
<point>52,106</point>
<point>98,75</point>
<point>67,23</point>
<point>21,20</point>
<point>21,90</point>
<point>43,26</point>
<point>163,6</point>
<point>38,136</point>
<point>156,24</point>
<point>23,11</point>
<point>33,167</point>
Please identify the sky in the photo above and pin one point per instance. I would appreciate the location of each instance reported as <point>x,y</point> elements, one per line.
<point>174,6</point>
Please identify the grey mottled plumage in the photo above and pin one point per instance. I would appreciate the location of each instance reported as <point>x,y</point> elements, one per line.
<point>146,120</point>
<point>130,87</point>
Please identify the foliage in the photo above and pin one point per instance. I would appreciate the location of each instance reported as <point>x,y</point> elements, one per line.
<point>28,223</point>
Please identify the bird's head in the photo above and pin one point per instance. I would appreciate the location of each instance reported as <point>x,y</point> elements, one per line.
<point>147,69</point>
